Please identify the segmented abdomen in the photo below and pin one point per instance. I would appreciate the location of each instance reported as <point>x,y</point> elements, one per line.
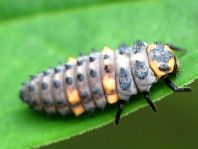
<point>90,81</point>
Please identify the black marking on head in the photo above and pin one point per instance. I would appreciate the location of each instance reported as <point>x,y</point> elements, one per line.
<point>164,67</point>
<point>44,85</point>
<point>161,55</point>
<point>79,62</point>
<point>107,68</point>
<point>141,70</point>
<point>61,102</point>
<point>80,77</point>
<point>95,90</point>
<point>46,102</point>
<point>31,88</point>
<point>92,58</point>
<point>56,84</point>
<point>124,80</point>
<point>106,56</point>
<point>45,73</point>
<point>68,80</point>
<point>92,73</point>
<point>57,70</point>
<point>68,66</point>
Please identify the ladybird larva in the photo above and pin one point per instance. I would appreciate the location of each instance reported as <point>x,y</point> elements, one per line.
<point>102,78</point>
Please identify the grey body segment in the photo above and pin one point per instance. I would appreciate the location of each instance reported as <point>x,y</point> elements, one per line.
<point>58,91</point>
<point>71,84</point>
<point>82,83</point>
<point>33,90</point>
<point>95,83</point>
<point>124,79</point>
<point>46,92</point>
<point>142,73</point>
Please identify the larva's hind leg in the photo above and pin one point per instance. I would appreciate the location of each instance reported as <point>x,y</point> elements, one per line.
<point>119,111</point>
<point>174,87</point>
<point>149,100</point>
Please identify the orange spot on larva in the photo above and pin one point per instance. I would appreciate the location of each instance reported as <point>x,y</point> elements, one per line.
<point>112,98</point>
<point>109,84</point>
<point>78,110</point>
<point>73,96</point>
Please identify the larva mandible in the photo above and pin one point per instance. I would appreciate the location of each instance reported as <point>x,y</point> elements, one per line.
<point>102,78</point>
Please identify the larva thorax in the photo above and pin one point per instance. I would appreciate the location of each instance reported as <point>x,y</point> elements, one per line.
<point>92,81</point>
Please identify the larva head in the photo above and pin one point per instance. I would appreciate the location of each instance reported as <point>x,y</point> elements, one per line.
<point>162,60</point>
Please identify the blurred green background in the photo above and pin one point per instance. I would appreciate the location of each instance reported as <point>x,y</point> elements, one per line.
<point>35,34</point>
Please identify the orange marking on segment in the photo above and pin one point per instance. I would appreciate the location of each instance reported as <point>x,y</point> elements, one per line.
<point>112,98</point>
<point>78,110</point>
<point>109,84</point>
<point>73,96</point>
<point>155,66</point>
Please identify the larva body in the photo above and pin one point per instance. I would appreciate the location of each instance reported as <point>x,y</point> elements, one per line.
<point>98,79</point>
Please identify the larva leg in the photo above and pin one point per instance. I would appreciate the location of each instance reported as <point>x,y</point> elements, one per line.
<point>119,111</point>
<point>149,100</point>
<point>175,88</point>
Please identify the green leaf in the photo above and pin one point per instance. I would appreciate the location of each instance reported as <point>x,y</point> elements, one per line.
<point>31,44</point>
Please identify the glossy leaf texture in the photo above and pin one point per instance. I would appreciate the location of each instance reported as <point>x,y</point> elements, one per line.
<point>31,43</point>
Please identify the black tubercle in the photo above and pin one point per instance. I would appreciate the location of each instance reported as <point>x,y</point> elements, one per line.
<point>124,80</point>
<point>106,56</point>
<point>32,77</point>
<point>91,58</point>
<point>45,73</point>
<point>56,83</point>
<point>68,80</point>
<point>84,94</point>
<point>107,68</point>
<point>92,73</point>
<point>122,48</point>
<point>80,77</point>
<point>46,102</point>
<point>44,85</point>
<point>61,102</point>
<point>68,66</point>
<point>95,90</point>
<point>56,70</point>
<point>79,62</point>
<point>31,88</point>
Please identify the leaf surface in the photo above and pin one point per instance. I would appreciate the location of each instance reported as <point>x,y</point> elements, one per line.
<point>31,44</point>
